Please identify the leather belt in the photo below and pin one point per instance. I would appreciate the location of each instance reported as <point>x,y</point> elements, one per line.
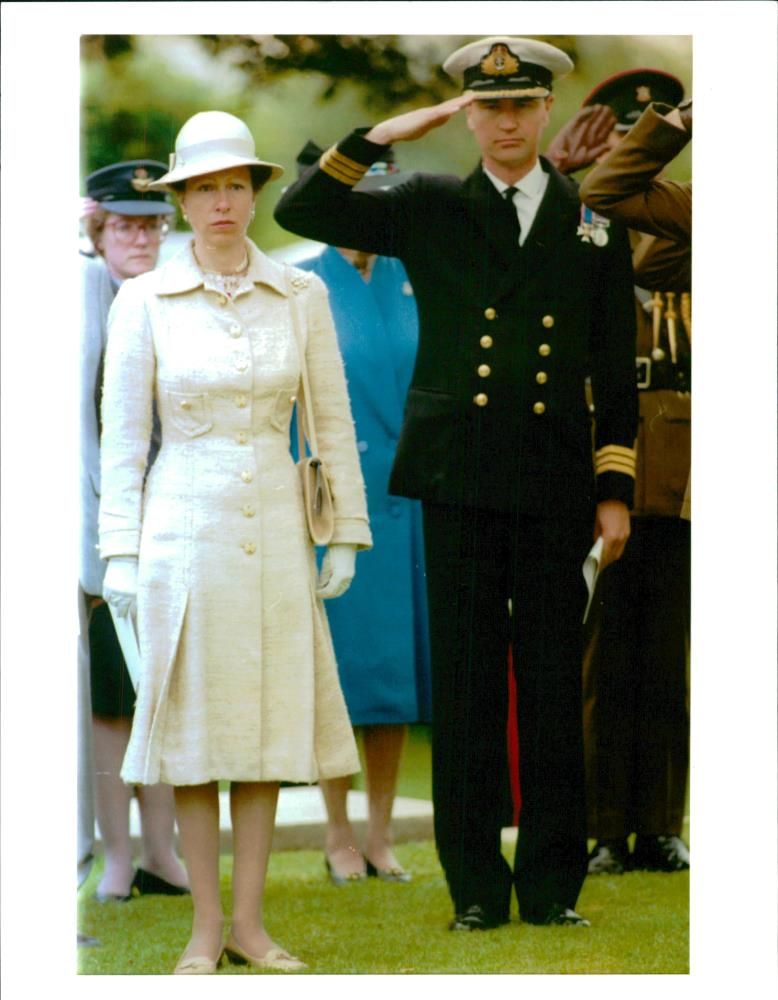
<point>652,376</point>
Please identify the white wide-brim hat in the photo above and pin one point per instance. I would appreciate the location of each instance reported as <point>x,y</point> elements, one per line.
<point>211,141</point>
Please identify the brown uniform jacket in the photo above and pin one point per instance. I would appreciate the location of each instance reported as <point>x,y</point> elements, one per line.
<point>626,188</point>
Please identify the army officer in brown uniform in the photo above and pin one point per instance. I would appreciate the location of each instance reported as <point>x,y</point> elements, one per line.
<point>636,719</point>
<point>518,305</point>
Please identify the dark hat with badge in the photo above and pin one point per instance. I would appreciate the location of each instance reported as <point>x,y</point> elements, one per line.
<point>504,66</point>
<point>381,175</point>
<point>123,188</point>
<point>628,94</point>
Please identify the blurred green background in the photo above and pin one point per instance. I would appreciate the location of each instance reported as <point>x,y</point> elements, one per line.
<point>138,90</point>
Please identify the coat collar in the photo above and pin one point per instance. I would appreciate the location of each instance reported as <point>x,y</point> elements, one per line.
<point>182,272</point>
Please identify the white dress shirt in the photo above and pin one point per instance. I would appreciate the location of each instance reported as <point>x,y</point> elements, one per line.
<point>529,194</point>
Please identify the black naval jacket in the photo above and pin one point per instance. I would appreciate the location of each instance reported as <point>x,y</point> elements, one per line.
<point>496,415</point>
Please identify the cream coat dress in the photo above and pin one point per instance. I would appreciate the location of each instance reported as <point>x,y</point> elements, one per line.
<point>239,680</point>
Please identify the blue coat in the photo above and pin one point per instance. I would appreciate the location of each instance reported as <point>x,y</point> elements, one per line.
<point>379,627</point>
<point>97,293</point>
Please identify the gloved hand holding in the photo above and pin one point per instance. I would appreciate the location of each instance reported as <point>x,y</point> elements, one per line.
<point>120,584</point>
<point>337,571</point>
<point>582,139</point>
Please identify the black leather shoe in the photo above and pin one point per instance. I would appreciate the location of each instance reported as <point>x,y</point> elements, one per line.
<point>476,918</point>
<point>563,916</point>
<point>148,884</point>
<point>609,857</point>
<point>660,854</point>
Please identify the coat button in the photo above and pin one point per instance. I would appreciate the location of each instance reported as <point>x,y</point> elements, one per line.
<point>539,408</point>
<point>541,378</point>
<point>241,401</point>
<point>247,510</point>
<point>249,548</point>
<point>186,404</point>
<point>486,341</point>
<point>481,399</point>
<point>484,371</point>
<point>544,350</point>
<point>241,437</point>
<point>246,476</point>
<point>490,313</point>
<point>235,330</point>
<point>241,364</point>
<point>548,322</point>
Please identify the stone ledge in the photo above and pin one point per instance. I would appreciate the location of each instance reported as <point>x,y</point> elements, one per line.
<point>301,820</point>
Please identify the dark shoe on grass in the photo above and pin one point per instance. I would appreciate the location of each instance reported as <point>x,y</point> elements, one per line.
<point>477,918</point>
<point>147,883</point>
<point>563,916</point>
<point>660,854</point>
<point>609,857</point>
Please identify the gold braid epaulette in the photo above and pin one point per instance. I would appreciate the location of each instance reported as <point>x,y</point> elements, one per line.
<point>615,458</point>
<point>342,168</point>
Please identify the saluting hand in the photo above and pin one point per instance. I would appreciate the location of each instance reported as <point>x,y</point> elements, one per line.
<point>415,124</point>
<point>612,522</point>
<point>582,140</point>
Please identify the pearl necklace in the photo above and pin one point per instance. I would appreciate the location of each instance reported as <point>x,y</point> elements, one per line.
<point>227,282</point>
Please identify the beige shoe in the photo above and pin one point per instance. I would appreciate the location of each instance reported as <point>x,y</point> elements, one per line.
<point>198,965</point>
<point>274,958</point>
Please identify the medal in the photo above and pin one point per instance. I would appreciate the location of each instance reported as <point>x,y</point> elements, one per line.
<point>593,228</point>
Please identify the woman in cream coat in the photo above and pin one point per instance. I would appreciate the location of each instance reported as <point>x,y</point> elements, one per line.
<point>239,681</point>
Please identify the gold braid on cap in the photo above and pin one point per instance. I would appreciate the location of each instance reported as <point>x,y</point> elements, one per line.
<point>500,62</point>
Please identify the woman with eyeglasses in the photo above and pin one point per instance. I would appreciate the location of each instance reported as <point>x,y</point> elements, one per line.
<point>125,223</point>
<point>238,677</point>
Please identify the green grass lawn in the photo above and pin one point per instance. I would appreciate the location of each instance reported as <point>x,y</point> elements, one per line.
<point>640,921</point>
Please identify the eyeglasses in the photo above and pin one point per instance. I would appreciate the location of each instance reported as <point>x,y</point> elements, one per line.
<point>127,231</point>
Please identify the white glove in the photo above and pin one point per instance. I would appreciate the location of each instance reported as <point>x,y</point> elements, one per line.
<point>120,584</point>
<point>337,571</point>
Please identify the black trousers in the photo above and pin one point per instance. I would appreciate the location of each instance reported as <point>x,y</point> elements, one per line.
<point>636,706</point>
<point>497,580</point>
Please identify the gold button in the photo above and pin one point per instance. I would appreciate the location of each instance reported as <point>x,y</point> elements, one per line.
<point>541,378</point>
<point>249,548</point>
<point>241,401</point>
<point>481,399</point>
<point>490,313</point>
<point>539,408</point>
<point>544,350</point>
<point>486,341</point>
<point>186,404</point>
<point>548,322</point>
<point>248,510</point>
<point>484,371</point>
<point>246,476</point>
<point>241,437</point>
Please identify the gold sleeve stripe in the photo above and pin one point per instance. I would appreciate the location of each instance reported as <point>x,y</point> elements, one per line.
<point>615,458</point>
<point>623,467</point>
<point>341,168</point>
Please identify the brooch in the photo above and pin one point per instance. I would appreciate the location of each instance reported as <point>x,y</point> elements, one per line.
<point>593,228</point>
<point>300,281</point>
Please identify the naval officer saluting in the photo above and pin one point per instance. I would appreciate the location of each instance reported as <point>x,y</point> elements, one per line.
<point>518,306</point>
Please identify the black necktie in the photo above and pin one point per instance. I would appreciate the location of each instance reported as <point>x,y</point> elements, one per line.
<point>508,194</point>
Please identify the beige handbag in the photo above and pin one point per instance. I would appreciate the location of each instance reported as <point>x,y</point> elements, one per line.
<point>317,496</point>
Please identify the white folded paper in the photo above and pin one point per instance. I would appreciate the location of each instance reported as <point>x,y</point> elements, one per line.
<point>128,640</point>
<point>591,570</point>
